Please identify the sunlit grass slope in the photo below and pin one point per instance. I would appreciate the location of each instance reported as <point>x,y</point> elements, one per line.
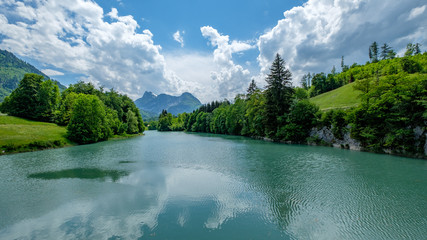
<point>20,135</point>
<point>343,97</point>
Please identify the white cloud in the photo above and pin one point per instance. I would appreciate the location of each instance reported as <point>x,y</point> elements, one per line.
<point>77,36</point>
<point>194,69</point>
<point>313,37</point>
<point>231,78</point>
<point>51,72</point>
<point>177,36</point>
<point>416,12</point>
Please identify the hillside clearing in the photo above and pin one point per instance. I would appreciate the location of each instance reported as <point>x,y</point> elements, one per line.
<point>343,97</point>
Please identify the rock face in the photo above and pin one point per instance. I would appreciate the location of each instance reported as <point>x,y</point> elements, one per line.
<point>324,135</point>
<point>152,104</point>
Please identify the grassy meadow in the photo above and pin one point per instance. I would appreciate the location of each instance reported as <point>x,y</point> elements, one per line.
<point>21,135</point>
<point>343,98</point>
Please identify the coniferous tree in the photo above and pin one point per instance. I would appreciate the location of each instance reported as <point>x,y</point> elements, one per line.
<point>385,50</point>
<point>373,52</point>
<point>278,93</point>
<point>252,87</point>
<point>306,81</point>
<point>409,50</point>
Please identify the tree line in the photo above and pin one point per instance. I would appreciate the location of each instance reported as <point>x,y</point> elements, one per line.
<point>90,114</point>
<point>394,103</point>
<point>318,83</point>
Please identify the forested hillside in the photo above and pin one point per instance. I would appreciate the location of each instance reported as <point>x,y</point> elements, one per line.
<point>12,70</point>
<point>388,108</point>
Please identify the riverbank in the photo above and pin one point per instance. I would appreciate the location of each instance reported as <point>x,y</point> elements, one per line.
<point>22,135</point>
<point>325,137</point>
<point>19,135</point>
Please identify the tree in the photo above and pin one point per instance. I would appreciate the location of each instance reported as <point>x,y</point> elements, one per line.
<point>48,98</point>
<point>88,123</point>
<point>412,49</point>
<point>385,51</point>
<point>391,54</point>
<point>302,117</point>
<point>279,94</point>
<point>33,99</point>
<point>373,52</point>
<point>132,122</point>
<point>306,81</point>
<point>252,88</point>
<point>334,70</point>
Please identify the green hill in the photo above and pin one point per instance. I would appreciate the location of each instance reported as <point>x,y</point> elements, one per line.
<point>347,97</point>
<point>21,135</point>
<point>12,70</point>
<point>343,97</point>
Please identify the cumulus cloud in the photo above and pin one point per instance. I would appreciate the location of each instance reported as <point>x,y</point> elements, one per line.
<point>231,78</point>
<point>177,36</point>
<point>314,36</point>
<point>78,36</point>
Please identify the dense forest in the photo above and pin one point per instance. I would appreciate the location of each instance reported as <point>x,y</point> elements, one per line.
<point>91,115</point>
<point>394,104</point>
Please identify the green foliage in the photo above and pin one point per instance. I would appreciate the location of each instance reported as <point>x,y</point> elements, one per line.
<point>410,66</point>
<point>301,119</point>
<point>132,122</point>
<point>337,120</point>
<point>278,94</point>
<point>120,115</point>
<point>323,83</point>
<point>165,120</point>
<point>33,99</point>
<point>382,107</point>
<point>88,120</point>
<point>12,70</point>
<point>393,108</point>
<point>63,115</point>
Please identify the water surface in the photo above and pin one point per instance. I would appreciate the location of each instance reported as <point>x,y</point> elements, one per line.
<point>201,186</point>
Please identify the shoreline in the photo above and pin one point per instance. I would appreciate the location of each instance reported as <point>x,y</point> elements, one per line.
<point>32,147</point>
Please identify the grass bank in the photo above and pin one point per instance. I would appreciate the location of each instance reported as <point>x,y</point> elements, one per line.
<point>343,97</point>
<point>22,135</point>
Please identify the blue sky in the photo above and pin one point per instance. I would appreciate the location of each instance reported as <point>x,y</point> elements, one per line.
<point>209,48</point>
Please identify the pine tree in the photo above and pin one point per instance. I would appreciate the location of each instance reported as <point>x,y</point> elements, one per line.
<point>385,50</point>
<point>373,52</point>
<point>279,93</point>
<point>252,87</point>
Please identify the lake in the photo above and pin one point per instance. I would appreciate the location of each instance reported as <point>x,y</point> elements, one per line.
<point>202,186</point>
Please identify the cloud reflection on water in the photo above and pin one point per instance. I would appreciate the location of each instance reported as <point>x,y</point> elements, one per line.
<point>134,210</point>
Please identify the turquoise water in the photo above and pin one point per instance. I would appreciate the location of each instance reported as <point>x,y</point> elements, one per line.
<point>200,186</point>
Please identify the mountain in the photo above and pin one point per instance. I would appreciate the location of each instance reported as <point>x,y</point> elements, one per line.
<point>151,105</point>
<point>12,70</point>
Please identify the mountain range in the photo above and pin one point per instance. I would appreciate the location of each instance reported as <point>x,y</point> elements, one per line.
<point>151,105</point>
<point>12,70</point>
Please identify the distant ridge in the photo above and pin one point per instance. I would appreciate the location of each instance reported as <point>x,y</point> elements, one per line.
<point>12,70</point>
<point>151,105</point>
